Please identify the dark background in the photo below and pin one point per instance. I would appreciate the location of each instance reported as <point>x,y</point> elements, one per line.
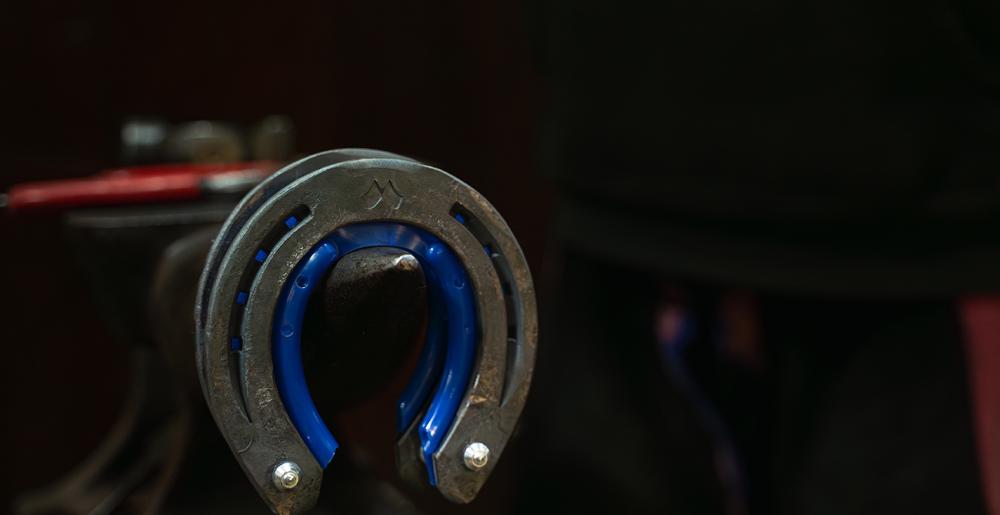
<point>834,161</point>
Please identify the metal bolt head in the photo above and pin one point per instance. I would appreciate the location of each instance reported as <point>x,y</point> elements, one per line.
<point>476,456</point>
<point>287,475</point>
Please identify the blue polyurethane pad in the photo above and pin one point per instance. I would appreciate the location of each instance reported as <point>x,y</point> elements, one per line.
<point>449,285</point>
<point>429,364</point>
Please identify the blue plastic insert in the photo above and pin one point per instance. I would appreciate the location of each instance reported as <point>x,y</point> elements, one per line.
<point>429,364</point>
<point>452,325</point>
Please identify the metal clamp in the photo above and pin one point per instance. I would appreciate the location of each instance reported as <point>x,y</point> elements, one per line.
<point>470,385</point>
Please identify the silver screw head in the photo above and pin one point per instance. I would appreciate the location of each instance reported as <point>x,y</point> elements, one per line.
<point>476,455</point>
<point>287,475</point>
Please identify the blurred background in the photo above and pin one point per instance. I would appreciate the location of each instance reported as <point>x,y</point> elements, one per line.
<point>764,236</point>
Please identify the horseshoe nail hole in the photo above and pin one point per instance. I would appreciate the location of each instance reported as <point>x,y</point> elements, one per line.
<point>287,330</point>
<point>282,226</point>
<point>459,282</point>
<point>302,281</point>
<point>511,308</point>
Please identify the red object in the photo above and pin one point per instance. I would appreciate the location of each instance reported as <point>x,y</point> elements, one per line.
<point>135,185</point>
<point>981,322</point>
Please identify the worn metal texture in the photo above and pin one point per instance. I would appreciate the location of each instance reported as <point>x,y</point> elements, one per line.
<point>330,190</point>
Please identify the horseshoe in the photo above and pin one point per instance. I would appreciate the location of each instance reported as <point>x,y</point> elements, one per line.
<point>463,401</point>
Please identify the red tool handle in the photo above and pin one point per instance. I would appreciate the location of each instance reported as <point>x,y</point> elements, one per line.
<point>135,185</point>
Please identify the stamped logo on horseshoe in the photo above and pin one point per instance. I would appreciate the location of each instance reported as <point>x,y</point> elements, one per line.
<point>380,193</point>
